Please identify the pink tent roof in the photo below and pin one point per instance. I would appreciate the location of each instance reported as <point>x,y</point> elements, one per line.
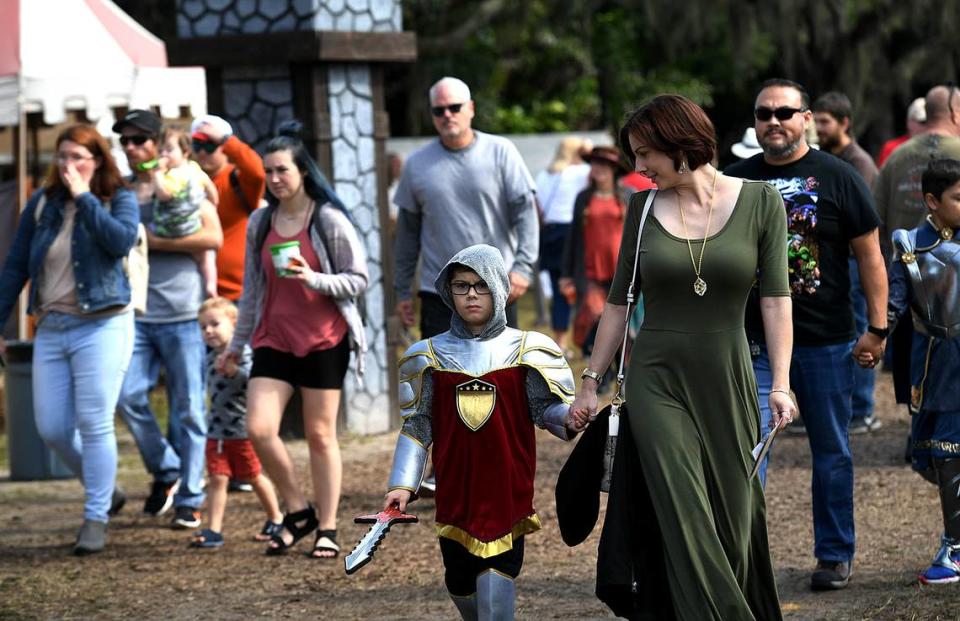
<point>59,55</point>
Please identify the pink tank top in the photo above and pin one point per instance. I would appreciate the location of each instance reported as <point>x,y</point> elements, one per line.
<point>296,319</point>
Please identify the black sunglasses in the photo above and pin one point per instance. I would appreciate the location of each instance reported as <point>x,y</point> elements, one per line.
<point>202,145</point>
<point>138,140</point>
<point>782,113</point>
<point>438,110</point>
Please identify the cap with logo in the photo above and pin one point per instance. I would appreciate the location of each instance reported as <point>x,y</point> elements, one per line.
<point>144,120</point>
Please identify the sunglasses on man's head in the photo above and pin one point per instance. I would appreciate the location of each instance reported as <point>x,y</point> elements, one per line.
<point>138,140</point>
<point>782,113</point>
<point>439,110</point>
<point>203,145</point>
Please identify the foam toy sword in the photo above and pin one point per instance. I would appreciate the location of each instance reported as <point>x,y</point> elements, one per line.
<point>363,553</point>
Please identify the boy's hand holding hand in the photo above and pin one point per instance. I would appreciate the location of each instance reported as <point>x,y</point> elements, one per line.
<point>226,363</point>
<point>576,421</point>
<point>399,497</point>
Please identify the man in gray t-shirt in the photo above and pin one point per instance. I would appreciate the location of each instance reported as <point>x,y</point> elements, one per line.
<point>168,336</point>
<point>465,188</point>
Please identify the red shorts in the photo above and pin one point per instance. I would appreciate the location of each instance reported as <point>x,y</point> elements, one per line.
<point>233,458</point>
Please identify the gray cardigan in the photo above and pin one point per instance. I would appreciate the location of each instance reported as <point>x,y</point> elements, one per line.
<point>344,278</point>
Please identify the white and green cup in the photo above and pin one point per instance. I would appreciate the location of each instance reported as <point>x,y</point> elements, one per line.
<point>282,255</point>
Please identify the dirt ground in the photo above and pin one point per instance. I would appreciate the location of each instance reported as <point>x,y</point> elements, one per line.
<point>148,572</point>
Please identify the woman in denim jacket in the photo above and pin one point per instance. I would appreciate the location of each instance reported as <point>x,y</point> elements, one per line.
<point>70,243</point>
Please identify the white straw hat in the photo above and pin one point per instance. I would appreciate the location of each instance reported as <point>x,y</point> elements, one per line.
<point>748,146</point>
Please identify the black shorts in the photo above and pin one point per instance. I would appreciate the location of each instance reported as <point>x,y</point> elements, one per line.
<point>325,368</point>
<point>462,568</point>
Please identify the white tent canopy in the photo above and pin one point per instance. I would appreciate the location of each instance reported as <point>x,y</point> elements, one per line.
<point>61,55</point>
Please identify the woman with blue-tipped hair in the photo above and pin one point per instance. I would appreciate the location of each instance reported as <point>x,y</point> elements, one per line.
<point>304,270</point>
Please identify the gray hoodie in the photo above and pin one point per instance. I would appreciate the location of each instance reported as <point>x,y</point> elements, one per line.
<point>487,262</point>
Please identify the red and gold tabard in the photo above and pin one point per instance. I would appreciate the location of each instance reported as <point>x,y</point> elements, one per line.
<point>484,456</point>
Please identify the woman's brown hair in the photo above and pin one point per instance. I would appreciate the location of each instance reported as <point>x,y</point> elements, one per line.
<point>106,178</point>
<point>674,125</point>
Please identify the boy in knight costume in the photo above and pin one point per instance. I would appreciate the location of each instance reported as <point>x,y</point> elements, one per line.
<point>925,278</point>
<point>473,392</point>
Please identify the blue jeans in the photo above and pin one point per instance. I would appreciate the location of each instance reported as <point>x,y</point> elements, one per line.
<point>78,367</point>
<point>822,379</point>
<point>179,348</point>
<point>863,379</point>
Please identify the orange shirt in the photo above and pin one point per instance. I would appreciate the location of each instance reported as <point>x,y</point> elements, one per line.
<point>233,213</point>
<point>602,228</point>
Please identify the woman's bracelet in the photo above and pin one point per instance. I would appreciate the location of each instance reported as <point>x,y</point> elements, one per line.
<point>783,390</point>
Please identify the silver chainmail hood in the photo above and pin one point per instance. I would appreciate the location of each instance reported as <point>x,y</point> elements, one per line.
<point>487,262</point>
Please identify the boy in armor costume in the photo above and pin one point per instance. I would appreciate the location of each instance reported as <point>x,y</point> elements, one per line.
<point>473,392</point>
<point>925,278</point>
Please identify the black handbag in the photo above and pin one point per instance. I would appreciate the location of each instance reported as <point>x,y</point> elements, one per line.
<point>618,405</point>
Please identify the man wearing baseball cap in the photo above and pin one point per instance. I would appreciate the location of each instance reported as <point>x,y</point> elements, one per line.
<point>237,172</point>
<point>167,335</point>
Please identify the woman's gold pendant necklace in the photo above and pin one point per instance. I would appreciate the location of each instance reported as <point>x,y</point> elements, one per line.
<point>699,285</point>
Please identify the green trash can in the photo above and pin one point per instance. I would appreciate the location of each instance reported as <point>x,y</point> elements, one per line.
<point>30,458</point>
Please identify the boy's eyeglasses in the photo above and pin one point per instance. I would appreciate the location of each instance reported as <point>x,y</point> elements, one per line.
<point>439,110</point>
<point>138,140</point>
<point>203,145</point>
<point>458,287</point>
<point>782,113</point>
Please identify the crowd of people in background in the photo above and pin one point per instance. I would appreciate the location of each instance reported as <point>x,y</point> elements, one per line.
<point>255,270</point>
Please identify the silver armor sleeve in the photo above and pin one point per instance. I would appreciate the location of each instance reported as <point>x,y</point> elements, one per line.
<point>549,384</point>
<point>409,460</point>
<point>415,361</point>
<point>539,353</point>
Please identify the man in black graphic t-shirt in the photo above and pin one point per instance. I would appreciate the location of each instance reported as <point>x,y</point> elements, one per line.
<point>829,211</point>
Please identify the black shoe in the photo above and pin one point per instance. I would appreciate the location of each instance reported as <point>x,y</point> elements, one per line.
<point>185,517</point>
<point>161,497</point>
<point>117,501</point>
<point>239,486</point>
<point>830,575</point>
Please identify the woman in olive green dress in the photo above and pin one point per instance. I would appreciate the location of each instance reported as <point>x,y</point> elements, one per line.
<point>690,387</point>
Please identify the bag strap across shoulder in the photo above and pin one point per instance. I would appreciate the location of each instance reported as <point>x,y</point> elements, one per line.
<point>618,398</point>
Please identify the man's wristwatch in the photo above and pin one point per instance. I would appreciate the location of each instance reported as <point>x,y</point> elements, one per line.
<point>881,332</point>
<point>592,375</point>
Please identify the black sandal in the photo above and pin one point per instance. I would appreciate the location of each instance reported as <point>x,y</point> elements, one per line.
<point>298,524</point>
<point>326,541</point>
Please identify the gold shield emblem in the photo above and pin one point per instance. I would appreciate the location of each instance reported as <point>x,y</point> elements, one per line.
<point>475,401</point>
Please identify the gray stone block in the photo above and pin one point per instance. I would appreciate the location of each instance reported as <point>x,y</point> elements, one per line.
<point>382,10</point>
<point>358,6</point>
<point>276,92</point>
<point>192,8</point>
<point>363,23</point>
<point>337,80</point>
<point>287,23</point>
<point>359,77</point>
<point>344,22</point>
<point>207,26</point>
<point>305,8</point>
<point>255,25</point>
<point>364,116</point>
<point>336,6</point>
<point>348,130</point>
<point>246,8</point>
<point>218,5</point>
<point>272,9</point>
<point>323,20</point>
<point>184,27</point>
<point>237,97</point>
